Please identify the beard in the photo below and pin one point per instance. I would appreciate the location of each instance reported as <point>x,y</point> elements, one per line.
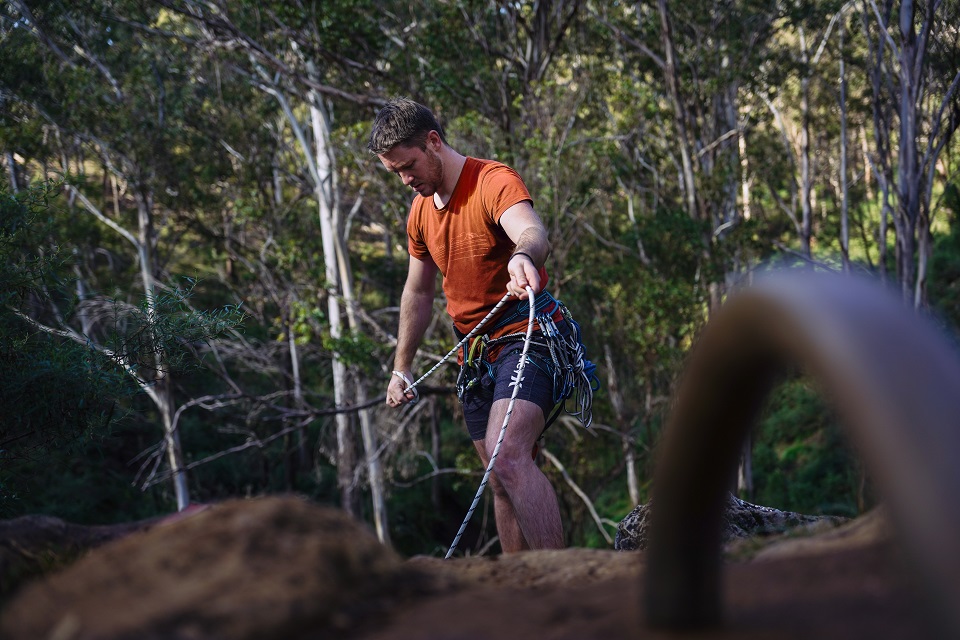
<point>433,179</point>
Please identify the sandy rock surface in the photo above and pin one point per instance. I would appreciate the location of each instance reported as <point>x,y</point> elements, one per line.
<point>284,568</point>
<point>269,568</point>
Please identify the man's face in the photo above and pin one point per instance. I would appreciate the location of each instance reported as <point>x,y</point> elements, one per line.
<point>420,169</point>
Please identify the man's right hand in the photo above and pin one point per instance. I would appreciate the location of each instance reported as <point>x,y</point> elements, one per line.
<point>395,390</point>
<point>523,273</point>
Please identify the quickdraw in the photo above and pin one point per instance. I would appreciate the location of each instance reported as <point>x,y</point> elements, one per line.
<point>573,375</point>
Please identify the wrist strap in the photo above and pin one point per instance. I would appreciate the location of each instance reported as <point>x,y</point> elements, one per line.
<point>407,381</point>
<point>521,253</point>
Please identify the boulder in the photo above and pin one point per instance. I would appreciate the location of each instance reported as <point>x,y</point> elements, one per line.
<point>31,546</point>
<point>872,528</point>
<point>263,568</point>
<point>741,519</point>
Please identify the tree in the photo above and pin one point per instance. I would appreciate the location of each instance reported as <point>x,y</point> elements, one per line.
<point>63,382</point>
<point>91,96</point>
<point>284,64</point>
<point>928,106</point>
<point>53,391</point>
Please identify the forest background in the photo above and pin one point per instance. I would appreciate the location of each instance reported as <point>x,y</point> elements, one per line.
<point>200,262</point>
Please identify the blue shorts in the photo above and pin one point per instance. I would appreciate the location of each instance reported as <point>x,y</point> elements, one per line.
<point>536,386</point>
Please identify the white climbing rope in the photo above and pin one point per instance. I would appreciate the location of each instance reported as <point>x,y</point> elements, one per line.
<point>515,383</point>
<point>486,318</point>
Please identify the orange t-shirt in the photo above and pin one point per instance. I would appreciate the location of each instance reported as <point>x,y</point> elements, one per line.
<point>466,242</point>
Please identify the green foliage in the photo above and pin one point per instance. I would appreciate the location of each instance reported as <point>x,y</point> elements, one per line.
<point>60,391</point>
<point>85,479</point>
<point>53,391</point>
<point>801,461</point>
<point>162,333</point>
<point>173,130</point>
<point>944,281</point>
<point>357,349</point>
<point>26,267</point>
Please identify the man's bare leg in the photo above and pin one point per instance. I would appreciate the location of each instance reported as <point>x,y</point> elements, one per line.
<point>508,528</point>
<point>533,507</point>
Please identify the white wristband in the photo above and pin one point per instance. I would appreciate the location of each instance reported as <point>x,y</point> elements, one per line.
<point>407,381</point>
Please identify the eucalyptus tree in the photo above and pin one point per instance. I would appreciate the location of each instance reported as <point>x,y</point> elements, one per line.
<point>798,90</point>
<point>105,98</point>
<point>306,58</point>
<point>915,51</point>
<point>707,81</point>
<point>701,62</point>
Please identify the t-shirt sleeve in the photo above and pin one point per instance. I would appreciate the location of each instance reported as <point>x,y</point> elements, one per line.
<point>501,188</point>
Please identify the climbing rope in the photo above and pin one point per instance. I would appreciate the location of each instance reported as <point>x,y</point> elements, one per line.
<point>515,383</point>
<point>476,329</point>
<point>573,374</point>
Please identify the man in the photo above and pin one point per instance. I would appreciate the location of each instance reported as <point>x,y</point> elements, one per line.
<point>473,220</point>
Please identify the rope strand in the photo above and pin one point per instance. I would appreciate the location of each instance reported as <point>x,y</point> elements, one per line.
<point>477,328</point>
<point>517,380</point>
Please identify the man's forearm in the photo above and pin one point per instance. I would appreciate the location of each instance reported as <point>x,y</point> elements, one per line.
<point>416,309</point>
<point>533,242</point>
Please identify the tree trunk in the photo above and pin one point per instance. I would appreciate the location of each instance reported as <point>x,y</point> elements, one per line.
<point>844,188</point>
<point>172,440</point>
<point>909,171</point>
<point>12,168</point>
<point>924,250</point>
<point>616,401</point>
<point>806,179</point>
<point>323,191</point>
<point>920,115</point>
<point>744,172</point>
<point>673,89</point>
<point>435,452</point>
<point>162,383</point>
<point>368,431</point>
<point>374,471</point>
<point>881,134</point>
<point>303,453</point>
<point>867,169</point>
<point>745,470</point>
<point>728,117</point>
<point>337,269</point>
<point>158,387</point>
<point>319,161</point>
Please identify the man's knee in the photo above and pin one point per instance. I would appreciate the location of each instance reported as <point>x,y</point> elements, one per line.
<point>496,485</point>
<point>513,468</point>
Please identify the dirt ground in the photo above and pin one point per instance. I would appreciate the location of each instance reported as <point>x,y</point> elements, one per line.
<point>283,568</point>
<point>848,594</point>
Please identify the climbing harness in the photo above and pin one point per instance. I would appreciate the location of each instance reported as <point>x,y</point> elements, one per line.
<point>574,377</point>
<point>572,373</point>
